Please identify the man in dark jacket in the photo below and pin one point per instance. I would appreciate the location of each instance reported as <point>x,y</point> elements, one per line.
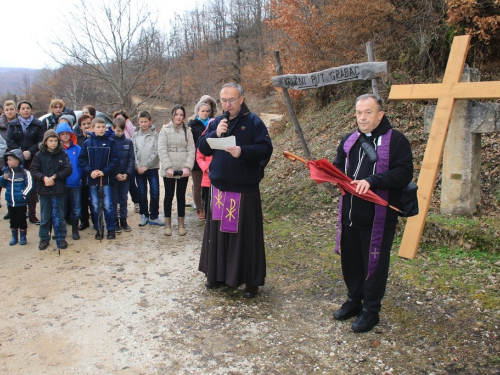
<point>25,133</point>
<point>377,158</point>
<point>51,166</point>
<point>233,244</point>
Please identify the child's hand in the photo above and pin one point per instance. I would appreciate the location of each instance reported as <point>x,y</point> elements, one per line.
<point>96,173</point>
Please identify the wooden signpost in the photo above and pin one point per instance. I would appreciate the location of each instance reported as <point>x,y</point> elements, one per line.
<point>446,93</point>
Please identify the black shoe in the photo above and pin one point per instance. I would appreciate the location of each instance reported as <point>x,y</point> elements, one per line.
<point>84,225</point>
<point>98,236</point>
<point>111,235</point>
<point>349,309</point>
<point>214,284</point>
<point>118,229</point>
<point>124,225</point>
<point>34,220</point>
<point>6,217</point>
<point>63,244</point>
<point>251,291</point>
<point>365,321</point>
<point>43,245</point>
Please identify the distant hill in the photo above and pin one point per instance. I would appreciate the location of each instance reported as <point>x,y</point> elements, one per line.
<point>11,79</point>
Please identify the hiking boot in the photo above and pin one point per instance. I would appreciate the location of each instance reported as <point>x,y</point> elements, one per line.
<point>180,224</point>
<point>74,229</point>
<point>348,309</point>
<point>168,226</point>
<point>43,245</point>
<point>15,237</point>
<point>157,221</point>
<point>144,220</point>
<point>365,321</point>
<point>111,235</point>
<point>22,236</point>
<point>34,220</point>
<point>118,228</point>
<point>84,225</point>
<point>98,235</point>
<point>124,225</point>
<point>63,244</point>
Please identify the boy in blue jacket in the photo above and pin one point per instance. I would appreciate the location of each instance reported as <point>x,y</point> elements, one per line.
<point>74,181</point>
<point>124,173</point>
<point>18,183</point>
<point>98,160</point>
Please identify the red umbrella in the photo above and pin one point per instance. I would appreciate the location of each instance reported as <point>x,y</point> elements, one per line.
<point>324,171</point>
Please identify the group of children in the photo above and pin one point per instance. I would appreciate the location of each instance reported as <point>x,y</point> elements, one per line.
<point>105,163</point>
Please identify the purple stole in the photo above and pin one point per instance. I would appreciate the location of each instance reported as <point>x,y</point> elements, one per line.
<point>382,165</point>
<point>226,208</point>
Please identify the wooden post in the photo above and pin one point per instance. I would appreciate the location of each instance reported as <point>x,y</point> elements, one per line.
<point>371,58</point>
<point>288,101</point>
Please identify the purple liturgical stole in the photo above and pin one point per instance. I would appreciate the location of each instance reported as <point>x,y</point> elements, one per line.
<point>380,211</point>
<point>226,208</point>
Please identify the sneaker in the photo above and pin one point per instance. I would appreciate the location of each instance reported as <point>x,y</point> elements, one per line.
<point>98,236</point>
<point>63,244</point>
<point>43,245</point>
<point>124,225</point>
<point>118,228</point>
<point>111,235</point>
<point>137,209</point>
<point>144,220</point>
<point>34,220</point>
<point>201,215</point>
<point>157,221</point>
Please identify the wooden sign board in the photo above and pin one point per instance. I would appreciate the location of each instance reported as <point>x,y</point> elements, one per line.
<point>332,76</point>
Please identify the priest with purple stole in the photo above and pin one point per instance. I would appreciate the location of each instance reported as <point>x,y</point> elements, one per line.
<point>233,250</point>
<point>378,158</point>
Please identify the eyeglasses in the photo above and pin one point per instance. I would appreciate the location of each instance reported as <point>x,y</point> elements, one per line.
<point>231,101</point>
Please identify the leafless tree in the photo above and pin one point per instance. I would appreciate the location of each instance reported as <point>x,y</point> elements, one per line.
<point>119,48</point>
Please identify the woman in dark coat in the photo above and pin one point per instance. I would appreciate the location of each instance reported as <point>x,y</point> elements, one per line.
<point>25,133</point>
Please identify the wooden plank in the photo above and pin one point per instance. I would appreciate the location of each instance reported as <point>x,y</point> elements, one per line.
<point>332,76</point>
<point>465,90</point>
<point>456,59</point>
<point>427,179</point>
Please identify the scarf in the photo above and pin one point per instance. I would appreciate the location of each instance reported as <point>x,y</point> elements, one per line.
<point>205,123</point>
<point>25,122</point>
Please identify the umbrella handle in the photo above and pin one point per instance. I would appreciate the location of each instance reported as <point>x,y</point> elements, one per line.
<point>293,157</point>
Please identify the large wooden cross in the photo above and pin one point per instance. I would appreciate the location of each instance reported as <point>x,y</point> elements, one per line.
<point>446,93</point>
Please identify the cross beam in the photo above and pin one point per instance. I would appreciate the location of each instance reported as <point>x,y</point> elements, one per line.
<point>446,93</point>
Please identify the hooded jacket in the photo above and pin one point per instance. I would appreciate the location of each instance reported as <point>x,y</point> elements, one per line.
<point>125,150</point>
<point>358,212</point>
<point>28,141</point>
<point>175,148</point>
<point>17,181</point>
<point>146,148</point>
<point>99,153</point>
<point>48,164</point>
<point>197,128</point>
<point>73,152</point>
<point>243,174</point>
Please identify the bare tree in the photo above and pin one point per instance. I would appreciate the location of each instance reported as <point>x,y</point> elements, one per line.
<point>119,48</point>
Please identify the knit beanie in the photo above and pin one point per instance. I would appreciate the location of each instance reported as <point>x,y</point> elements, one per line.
<point>49,133</point>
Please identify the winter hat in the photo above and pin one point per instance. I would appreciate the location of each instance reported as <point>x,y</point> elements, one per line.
<point>49,133</point>
<point>69,118</point>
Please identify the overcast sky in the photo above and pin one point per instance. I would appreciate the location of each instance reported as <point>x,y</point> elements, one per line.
<point>31,25</point>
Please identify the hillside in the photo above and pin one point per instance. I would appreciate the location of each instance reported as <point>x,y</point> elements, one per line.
<point>12,80</point>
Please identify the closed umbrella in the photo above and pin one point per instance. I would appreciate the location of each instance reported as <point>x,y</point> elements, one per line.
<point>56,224</point>
<point>100,210</point>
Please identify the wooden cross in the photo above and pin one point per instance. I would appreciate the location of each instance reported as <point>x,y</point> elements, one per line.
<point>446,93</point>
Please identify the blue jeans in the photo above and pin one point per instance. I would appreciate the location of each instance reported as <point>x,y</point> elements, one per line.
<point>108,206</point>
<point>73,201</point>
<point>120,198</point>
<point>46,215</point>
<point>151,176</point>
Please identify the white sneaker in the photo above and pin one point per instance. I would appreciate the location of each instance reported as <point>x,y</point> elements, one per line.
<point>144,220</point>
<point>157,221</point>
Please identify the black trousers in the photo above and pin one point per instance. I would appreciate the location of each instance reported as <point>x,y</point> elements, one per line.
<point>17,217</point>
<point>355,245</point>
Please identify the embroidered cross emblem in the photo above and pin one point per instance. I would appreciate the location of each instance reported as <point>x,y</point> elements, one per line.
<point>231,210</point>
<point>218,199</point>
